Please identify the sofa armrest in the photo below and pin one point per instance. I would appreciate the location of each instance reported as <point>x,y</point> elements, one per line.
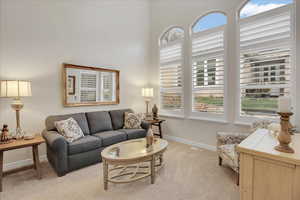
<point>57,151</point>
<point>145,125</point>
<point>230,138</point>
<point>56,141</point>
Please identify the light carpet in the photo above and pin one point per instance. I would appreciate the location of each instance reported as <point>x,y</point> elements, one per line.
<point>189,174</point>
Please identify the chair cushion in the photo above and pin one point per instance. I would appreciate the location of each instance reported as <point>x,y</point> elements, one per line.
<point>99,121</point>
<point>229,154</point>
<point>117,118</point>
<point>111,137</point>
<point>87,143</point>
<point>134,133</point>
<point>80,118</point>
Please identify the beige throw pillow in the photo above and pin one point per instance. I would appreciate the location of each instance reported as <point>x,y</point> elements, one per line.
<point>70,129</point>
<point>132,121</point>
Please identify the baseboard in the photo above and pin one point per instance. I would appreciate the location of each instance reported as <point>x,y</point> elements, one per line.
<point>21,163</point>
<point>192,143</point>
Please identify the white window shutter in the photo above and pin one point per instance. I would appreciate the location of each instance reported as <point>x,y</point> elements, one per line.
<point>88,87</point>
<point>171,95</point>
<point>208,70</point>
<point>265,60</point>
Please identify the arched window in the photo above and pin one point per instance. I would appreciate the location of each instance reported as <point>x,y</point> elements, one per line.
<point>171,74</point>
<point>208,64</point>
<point>265,55</point>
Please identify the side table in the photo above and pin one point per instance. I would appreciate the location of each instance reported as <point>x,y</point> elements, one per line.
<point>18,144</point>
<point>156,122</point>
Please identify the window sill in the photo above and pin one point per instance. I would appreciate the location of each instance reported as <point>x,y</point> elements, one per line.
<point>241,123</point>
<point>248,120</point>
<point>222,121</point>
<point>171,116</point>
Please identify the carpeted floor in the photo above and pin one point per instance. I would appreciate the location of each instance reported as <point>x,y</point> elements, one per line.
<point>189,174</point>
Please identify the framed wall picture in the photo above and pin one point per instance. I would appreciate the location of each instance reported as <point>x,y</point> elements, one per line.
<point>90,86</point>
<point>71,85</point>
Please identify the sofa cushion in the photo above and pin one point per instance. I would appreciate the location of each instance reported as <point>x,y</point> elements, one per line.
<point>70,129</point>
<point>134,133</point>
<point>80,118</point>
<point>111,137</point>
<point>117,118</point>
<point>87,143</point>
<point>99,121</point>
<point>132,121</point>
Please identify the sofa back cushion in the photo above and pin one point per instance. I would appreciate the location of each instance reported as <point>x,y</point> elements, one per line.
<point>117,118</point>
<point>80,118</point>
<point>99,121</point>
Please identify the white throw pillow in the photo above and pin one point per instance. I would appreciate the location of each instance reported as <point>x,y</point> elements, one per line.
<point>132,121</point>
<point>70,129</point>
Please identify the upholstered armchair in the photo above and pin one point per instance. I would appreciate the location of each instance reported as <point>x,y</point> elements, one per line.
<point>227,142</point>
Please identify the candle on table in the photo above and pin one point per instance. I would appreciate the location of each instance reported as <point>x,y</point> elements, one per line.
<point>284,104</point>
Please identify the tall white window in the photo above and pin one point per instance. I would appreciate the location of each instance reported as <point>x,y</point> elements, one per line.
<point>208,64</point>
<point>171,73</point>
<point>265,55</point>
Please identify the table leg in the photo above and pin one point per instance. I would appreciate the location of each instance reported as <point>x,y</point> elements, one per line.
<point>33,158</point>
<point>1,169</point>
<point>161,159</point>
<point>160,132</point>
<point>36,160</point>
<point>152,169</point>
<point>105,174</point>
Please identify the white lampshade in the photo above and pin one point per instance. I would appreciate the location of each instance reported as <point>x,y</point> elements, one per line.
<point>147,92</point>
<point>15,88</point>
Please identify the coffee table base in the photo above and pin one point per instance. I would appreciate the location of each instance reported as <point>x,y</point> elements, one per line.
<point>126,173</point>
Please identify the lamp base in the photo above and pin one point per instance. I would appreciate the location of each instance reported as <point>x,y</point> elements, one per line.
<point>19,134</point>
<point>284,148</point>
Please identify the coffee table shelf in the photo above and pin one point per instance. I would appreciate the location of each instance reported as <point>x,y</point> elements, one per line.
<point>131,161</point>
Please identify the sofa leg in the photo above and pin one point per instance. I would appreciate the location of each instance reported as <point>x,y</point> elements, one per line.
<point>238,179</point>
<point>220,161</point>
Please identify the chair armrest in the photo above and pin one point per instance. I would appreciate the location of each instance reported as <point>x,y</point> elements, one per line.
<point>55,141</point>
<point>230,138</point>
<point>145,125</point>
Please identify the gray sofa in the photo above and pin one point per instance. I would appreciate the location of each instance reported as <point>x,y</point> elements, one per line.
<point>101,129</point>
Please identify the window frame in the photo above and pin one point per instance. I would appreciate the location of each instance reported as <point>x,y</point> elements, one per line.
<point>207,116</point>
<point>247,120</point>
<point>180,112</point>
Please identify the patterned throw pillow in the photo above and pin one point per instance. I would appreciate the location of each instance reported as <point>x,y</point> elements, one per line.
<point>132,121</point>
<point>70,129</point>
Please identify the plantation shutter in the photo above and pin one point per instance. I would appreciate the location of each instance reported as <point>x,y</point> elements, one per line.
<point>265,60</point>
<point>108,87</point>
<point>208,70</point>
<point>88,87</point>
<point>171,76</point>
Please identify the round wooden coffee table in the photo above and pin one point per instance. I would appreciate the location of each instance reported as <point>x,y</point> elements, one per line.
<point>131,161</point>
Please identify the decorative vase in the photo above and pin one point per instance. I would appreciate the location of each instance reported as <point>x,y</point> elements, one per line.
<point>149,138</point>
<point>284,136</point>
<point>155,111</point>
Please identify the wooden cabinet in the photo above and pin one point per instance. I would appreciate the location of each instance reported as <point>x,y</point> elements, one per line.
<point>266,174</point>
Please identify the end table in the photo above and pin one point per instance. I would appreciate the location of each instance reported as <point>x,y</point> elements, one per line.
<point>156,122</point>
<point>18,144</point>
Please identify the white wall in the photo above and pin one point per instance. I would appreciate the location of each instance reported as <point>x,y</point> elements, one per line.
<point>38,36</point>
<point>167,13</point>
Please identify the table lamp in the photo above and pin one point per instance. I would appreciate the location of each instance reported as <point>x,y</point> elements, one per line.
<point>16,90</point>
<point>147,93</point>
